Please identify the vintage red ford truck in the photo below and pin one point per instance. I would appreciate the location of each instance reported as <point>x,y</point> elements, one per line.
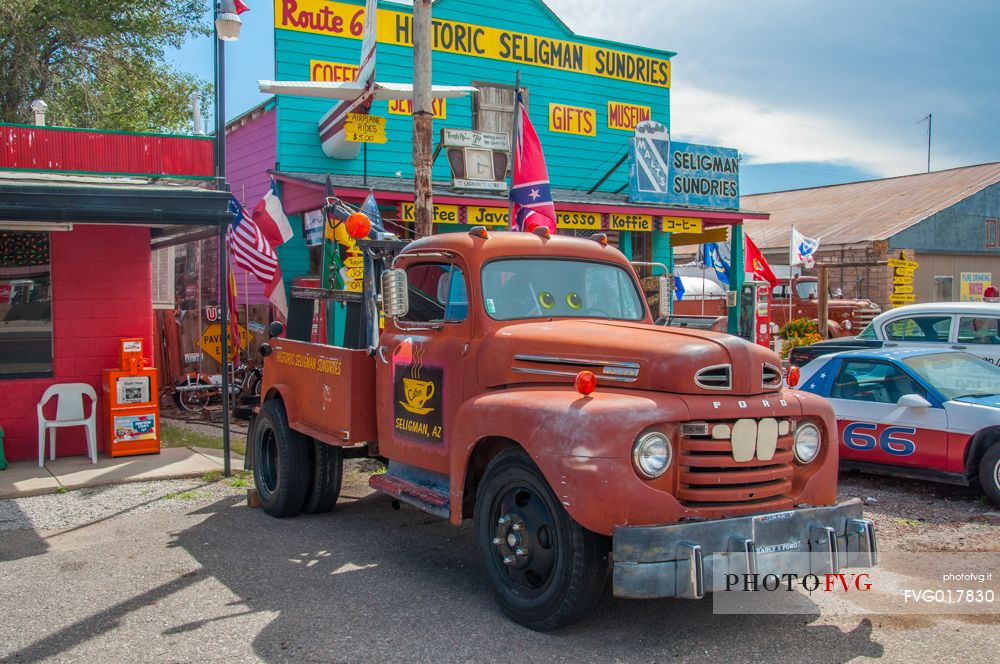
<point>519,381</point>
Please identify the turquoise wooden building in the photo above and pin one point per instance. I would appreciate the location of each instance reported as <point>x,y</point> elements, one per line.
<point>585,97</point>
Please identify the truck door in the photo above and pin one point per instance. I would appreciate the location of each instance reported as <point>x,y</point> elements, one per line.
<point>420,366</point>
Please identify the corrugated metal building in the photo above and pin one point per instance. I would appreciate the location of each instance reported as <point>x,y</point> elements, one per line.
<point>947,221</point>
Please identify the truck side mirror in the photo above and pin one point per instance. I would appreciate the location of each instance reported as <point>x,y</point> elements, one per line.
<point>666,292</point>
<point>395,293</point>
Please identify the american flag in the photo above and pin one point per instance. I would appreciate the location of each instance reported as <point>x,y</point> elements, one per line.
<point>249,248</point>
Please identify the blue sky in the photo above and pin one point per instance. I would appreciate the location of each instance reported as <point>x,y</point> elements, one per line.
<point>811,93</point>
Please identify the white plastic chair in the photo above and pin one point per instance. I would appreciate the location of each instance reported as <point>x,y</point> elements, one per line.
<point>69,413</point>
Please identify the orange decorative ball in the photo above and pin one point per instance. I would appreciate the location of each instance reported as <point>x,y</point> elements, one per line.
<point>358,225</point>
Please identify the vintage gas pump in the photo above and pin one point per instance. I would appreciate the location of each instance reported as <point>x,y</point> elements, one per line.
<point>131,403</point>
<point>755,312</point>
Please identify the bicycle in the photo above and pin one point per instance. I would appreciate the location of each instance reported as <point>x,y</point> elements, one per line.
<point>195,391</point>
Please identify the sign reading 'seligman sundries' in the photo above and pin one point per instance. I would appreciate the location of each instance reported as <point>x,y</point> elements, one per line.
<point>340,19</point>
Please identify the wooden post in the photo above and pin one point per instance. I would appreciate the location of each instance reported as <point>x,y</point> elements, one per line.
<point>824,300</point>
<point>423,118</point>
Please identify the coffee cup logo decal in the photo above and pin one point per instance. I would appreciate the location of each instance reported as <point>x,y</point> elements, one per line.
<point>417,393</point>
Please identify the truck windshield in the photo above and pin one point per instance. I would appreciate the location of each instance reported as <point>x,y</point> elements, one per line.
<point>559,288</point>
<point>804,289</point>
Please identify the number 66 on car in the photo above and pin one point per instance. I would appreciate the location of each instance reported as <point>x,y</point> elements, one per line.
<point>918,413</point>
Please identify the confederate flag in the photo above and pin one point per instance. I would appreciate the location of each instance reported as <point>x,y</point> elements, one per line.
<point>530,194</point>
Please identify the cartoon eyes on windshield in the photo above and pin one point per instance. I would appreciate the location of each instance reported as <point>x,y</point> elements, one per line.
<point>547,300</point>
<point>574,301</point>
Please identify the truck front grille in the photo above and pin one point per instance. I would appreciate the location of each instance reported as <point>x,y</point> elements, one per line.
<point>862,317</point>
<point>713,484</point>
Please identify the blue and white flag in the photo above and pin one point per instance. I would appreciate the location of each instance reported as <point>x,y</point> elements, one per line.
<point>678,288</point>
<point>712,258</point>
<point>802,250</point>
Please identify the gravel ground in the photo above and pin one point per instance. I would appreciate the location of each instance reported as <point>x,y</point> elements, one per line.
<point>73,509</point>
<point>912,515</point>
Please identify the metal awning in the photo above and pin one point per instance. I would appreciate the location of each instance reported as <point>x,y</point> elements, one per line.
<point>29,199</point>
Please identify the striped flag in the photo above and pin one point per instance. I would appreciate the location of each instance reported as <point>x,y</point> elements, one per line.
<point>247,244</point>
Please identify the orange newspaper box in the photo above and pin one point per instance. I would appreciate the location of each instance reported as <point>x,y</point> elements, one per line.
<point>131,403</point>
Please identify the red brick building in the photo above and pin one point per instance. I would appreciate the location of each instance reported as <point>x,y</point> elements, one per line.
<point>76,260</point>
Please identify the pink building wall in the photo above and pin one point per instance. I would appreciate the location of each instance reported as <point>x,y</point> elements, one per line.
<point>251,151</point>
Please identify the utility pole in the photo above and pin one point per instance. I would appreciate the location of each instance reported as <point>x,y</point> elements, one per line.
<point>423,118</point>
<point>930,119</point>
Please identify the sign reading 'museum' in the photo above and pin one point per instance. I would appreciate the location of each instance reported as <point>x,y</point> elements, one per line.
<point>340,19</point>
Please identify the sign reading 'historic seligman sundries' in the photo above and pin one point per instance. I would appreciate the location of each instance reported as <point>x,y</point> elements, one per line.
<point>341,19</point>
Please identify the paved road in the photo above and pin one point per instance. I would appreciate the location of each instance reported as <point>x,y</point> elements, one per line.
<point>211,580</point>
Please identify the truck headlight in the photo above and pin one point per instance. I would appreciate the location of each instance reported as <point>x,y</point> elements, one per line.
<point>651,454</point>
<point>807,442</point>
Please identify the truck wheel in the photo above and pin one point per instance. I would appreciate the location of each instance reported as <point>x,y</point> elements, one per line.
<point>328,471</point>
<point>989,474</point>
<point>281,462</point>
<point>546,570</point>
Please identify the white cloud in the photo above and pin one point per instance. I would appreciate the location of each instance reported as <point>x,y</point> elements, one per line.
<point>767,136</point>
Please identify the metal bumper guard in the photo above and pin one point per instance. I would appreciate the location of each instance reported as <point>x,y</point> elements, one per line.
<point>685,560</point>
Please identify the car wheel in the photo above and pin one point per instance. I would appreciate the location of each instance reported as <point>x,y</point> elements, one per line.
<point>989,474</point>
<point>281,462</point>
<point>327,474</point>
<point>546,570</point>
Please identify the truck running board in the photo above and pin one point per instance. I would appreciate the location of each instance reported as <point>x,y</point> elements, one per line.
<point>419,488</point>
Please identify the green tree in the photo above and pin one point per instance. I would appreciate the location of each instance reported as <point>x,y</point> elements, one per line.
<point>99,63</point>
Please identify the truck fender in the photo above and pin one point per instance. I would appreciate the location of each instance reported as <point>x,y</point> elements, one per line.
<point>287,396</point>
<point>551,425</point>
<point>981,441</point>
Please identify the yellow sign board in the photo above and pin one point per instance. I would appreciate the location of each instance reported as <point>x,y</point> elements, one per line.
<point>626,116</point>
<point>498,217</point>
<point>321,70</point>
<point>681,225</point>
<point>902,298</point>
<point>904,272</point>
<point>443,214</point>
<point>577,120</point>
<point>211,341</point>
<point>405,107</point>
<point>900,263</point>
<point>341,19</point>
<point>355,266</point>
<point>356,136</point>
<point>902,281</point>
<point>579,221</point>
<point>365,119</point>
<point>630,222</point>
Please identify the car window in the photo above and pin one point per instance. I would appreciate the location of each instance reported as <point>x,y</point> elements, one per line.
<point>919,328</point>
<point>868,332</point>
<point>871,380</point>
<point>437,293</point>
<point>780,292</point>
<point>978,330</point>
<point>957,374</point>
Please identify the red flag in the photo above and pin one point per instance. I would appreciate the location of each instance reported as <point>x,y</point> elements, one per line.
<point>240,8</point>
<point>755,263</point>
<point>530,192</point>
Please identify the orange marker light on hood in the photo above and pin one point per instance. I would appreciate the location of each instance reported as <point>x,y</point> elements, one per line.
<point>586,382</point>
<point>792,377</point>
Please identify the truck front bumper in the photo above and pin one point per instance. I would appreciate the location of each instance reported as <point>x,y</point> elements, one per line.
<point>690,559</point>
